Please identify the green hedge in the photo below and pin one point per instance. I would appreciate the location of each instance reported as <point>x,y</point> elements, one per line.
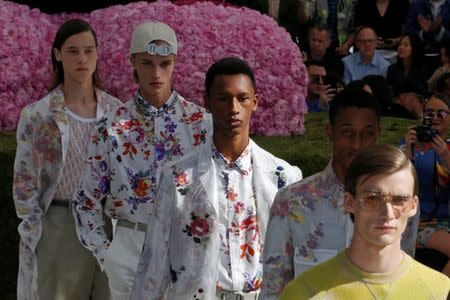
<point>310,152</point>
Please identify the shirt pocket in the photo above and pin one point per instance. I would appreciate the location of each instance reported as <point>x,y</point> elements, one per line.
<point>302,263</point>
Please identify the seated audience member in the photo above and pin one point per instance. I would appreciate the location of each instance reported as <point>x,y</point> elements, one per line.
<point>319,40</point>
<point>444,68</point>
<point>428,20</point>
<point>409,64</point>
<point>386,17</point>
<point>307,223</point>
<point>429,149</point>
<point>409,101</point>
<point>211,211</point>
<point>337,15</point>
<point>380,195</point>
<point>319,93</point>
<point>365,61</point>
<point>381,90</point>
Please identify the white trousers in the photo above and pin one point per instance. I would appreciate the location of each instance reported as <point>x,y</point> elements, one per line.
<point>122,260</point>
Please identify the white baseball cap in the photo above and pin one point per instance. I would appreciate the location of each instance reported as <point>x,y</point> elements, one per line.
<point>145,33</point>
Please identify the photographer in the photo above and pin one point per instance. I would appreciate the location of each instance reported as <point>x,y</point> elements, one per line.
<point>321,88</point>
<point>429,150</point>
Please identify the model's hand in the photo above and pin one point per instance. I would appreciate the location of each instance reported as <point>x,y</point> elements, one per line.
<point>424,23</point>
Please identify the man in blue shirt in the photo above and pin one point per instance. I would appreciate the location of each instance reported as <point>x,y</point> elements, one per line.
<point>366,61</point>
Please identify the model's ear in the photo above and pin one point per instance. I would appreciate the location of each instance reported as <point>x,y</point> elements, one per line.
<point>255,102</point>
<point>413,211</point>
<point>57,54</point>
<point>349,203</point>
<point>133,61</point>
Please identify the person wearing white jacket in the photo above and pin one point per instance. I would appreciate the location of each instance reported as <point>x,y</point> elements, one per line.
<point>211,210</point>
<point>52,136</point>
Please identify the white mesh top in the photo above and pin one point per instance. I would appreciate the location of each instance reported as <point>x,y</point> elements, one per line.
<point>79,130</point>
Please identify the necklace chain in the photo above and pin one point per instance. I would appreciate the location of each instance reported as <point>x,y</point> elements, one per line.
<point>144,108</point>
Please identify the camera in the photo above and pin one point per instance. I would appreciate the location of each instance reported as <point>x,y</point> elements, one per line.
<point>333,80</point>
<point>425,132</point>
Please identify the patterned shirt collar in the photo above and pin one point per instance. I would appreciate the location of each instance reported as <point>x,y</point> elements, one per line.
<point>151,112</point>
<point>329,173</point>
<point>243,163</point>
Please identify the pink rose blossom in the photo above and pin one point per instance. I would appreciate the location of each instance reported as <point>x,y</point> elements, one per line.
<point>206,32</point>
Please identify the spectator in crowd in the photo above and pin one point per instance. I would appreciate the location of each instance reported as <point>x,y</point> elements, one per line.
<point>337,15</point>
<point>380,195</point>
<point>409,101</point>
<point>319,93</point>
<point>365,61</point>
<point>429,149</point>
<point>286,13</point>
<point>52,136</point>
<point>444,68</point>
<point>387,18</point>
<point>127,152</point>
<point>214,204</point>
<point>428,20</point>
<point>409,64</point>
<point>319,40</point>
<point>381,90</point>
<point>307,223</point>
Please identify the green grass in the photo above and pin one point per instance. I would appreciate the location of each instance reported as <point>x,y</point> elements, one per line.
<point>311,152</point>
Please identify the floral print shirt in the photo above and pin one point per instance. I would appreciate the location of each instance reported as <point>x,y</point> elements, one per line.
<point>240,268</point>
<point>182,256</point>
<point>126,154</point>
<point>308,225</point>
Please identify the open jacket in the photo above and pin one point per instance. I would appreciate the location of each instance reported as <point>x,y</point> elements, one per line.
<point>42,143</point>
<point>181,251</point>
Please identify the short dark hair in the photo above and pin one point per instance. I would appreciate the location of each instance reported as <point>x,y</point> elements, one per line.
<point>320,27</point>
<point>376,160</point>
<point>353,97</point>
<point>228,66</point>
<point>69,28</point>
<point>315,62</point>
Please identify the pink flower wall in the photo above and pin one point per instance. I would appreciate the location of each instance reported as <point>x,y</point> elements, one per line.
<point>206,32</point>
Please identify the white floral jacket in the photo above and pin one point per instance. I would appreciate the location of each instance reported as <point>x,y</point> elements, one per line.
<point>181,251</point>
<point>42,142</point>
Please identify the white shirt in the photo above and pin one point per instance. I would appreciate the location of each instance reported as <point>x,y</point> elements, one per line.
<point>126,153</point>
<point>240,268</point>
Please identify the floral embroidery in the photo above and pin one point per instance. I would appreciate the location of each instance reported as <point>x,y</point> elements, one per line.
<point>198,228</point>
<point>181,180</point>
<point>252,283</point>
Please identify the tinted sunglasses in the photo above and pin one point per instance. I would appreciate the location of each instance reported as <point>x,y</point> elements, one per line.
<point>317,79</point>
<point>374,200</point>
<point>439,113</point>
